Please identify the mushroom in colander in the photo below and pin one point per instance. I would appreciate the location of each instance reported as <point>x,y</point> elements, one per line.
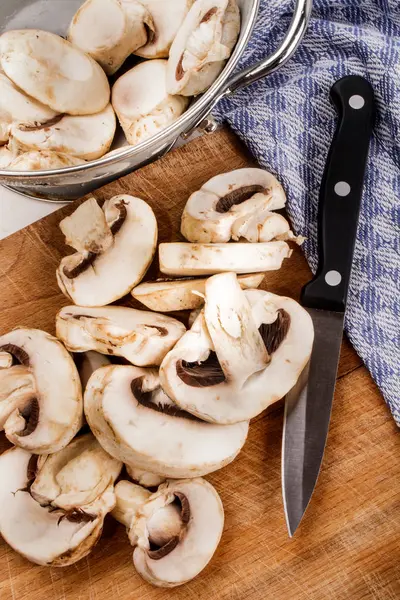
<point>237,205</point>
<point>136,422</point>
<point>141,337</point>
<point>167,18</point>
<point>54,72</point>
<point>40,393</point>
<point>110,30</point>
<point>115,246</point>
<point>175,531</point>
<point>86,137</point>
<point>202,45</point>
<point>47,535</point>
<point>42,160</point>
<point>142,103</point>
<point>205,374</point>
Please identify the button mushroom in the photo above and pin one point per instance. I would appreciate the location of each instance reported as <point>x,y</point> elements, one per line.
<point>141,337</point>
<point>202,45</point>
<point>175,531</point>
<point>142,103</point>
<point>39,160</point>
<point>237,205</point>
<point>92,278</point>
<point>16,107</point>
<point>184,294</point>
<point>51,70</point>
<point>87,137</point>
<point>183,259</point>
<point>41,534</point>
<point>110,30</point>
<point>42,394</point>
<point>202,378</point>
<point>137,423</point>
<point>167,18</point>
<point>6,157</point>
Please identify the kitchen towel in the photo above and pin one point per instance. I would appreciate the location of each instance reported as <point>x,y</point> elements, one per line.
<point>288,122</point>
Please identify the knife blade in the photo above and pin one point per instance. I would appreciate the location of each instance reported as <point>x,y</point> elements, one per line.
<point>308,405</point>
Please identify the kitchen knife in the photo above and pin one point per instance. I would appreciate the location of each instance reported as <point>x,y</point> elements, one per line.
<point>308,405</point>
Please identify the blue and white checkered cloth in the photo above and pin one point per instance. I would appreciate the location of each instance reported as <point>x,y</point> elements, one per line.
<point>288,123</point>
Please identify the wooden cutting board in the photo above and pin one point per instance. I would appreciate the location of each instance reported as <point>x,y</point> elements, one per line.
<point>348,546</point>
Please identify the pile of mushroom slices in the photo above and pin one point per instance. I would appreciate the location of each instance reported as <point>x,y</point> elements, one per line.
<point>55,108</point>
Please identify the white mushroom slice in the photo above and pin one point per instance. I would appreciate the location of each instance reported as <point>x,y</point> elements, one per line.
<point>186,294</point>
<point>76,477</point>
<point>141,337</point>
<point>86,137</point>
<point>137,423</point>
<point>110,30</point>
<point>6,360</point>
<point>87,230</point>
<point>17,107</point>
<point>142,103</point>
<point>144,478</point>
<point>87,363</point>
<point>46,390</point>
<point>39,534</point>
<point>6,157</point>
<point>168,18</point>
<point>206,259</point>
<point>51,70</point>
<point>17,387</point>
<point>193,316</point>
<point>90,279</point>
<point>189,549</point>
<point>202,45</point>
<point>41,160</point>
<point>194,377</point>
<point>129,498</point>
<point>236,205</point>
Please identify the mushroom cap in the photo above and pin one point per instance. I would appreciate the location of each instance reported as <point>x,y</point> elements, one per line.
<point>52,413</point>
<point>181,259</point>
<point>76,476</point>
<point>211,392</point>
<point>38,160</point>
<point>90,279</point>
<point>142,337</point>
<point>203,43</point>
<point>16,107</point>
<point>30,529</point>
<point>51,70</point>
<point>168,18</point>
<point>235,205</point>
<point>87,137</point>
<point>110,30</point>
<point>184,294</point>
<point>142,103</point>
<point>186,555</point>
<point>137,423</point>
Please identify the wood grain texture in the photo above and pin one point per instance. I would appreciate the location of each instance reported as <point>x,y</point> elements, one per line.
<point>348,546</point>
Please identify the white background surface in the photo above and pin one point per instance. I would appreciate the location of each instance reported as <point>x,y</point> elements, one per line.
<point>17,212</point>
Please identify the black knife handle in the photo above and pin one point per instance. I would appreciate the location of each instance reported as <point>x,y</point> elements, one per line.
<point>340,194</point>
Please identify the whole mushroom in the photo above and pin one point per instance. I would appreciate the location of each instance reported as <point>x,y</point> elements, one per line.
<point>38,160</point>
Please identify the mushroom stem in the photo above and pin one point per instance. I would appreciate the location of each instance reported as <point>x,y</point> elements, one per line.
<point>17,387</point>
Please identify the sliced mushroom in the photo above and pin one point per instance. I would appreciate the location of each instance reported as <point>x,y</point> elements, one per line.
<point>41,392</point>
<point>167,18</point>
<point>185,294</point>
<point>175,531</point>
<point>6,360</point>
<point>141,337</point>
<point>39,160</point>
<point>51,70</point>
<point>87,229</point>
<point>110,30</point>
<point>197,373</point>
<point>6,157</point>
<point>202,45</point>
<point>144,478</point>
<point>87,363</point>
<point>91,279</point>
<point>87,137</point>
<point>137,423</point>
<point>16,107</point>
<point>142,103</point>
<point>236,205</point>
<point>76,478</point>
<point>206,259</point>
<point>39,533</point>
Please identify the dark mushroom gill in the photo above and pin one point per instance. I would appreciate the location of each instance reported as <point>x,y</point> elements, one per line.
<point>30,413</point>
<point>158,552</point>
<point>238,196</point>
<point>201,374</point>
<point>273,334</point>
<point>146,399</point>
<point>19,355</point>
